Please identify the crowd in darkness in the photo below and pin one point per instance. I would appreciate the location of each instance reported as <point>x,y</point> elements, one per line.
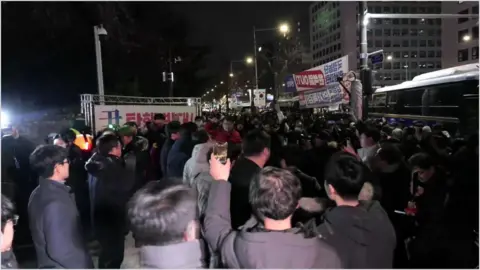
<point>296,191</point>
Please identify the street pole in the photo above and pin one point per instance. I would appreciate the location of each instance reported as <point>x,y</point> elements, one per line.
<point>364,72</point>
<point>252,104</point>
<point>170,67</point>
<point>98,56</point>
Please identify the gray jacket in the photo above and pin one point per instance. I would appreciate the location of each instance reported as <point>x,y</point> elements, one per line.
<point>186,255</point>
<point>255,247</point>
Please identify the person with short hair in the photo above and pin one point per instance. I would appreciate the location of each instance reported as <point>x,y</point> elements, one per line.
<point>256,152</point>
<point>268,239</point>
<point>9,219</point>
<point>164,221</point>
<point>172,131</point>
<point>54,220</point>
<point>111,188</point>
<point>135,154</point>
<point>360,231</point>
<point>225,133</point>
<point>369,138</point>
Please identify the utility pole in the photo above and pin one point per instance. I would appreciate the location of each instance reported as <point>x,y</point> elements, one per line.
<point>365,72</point>
<point>252,103</point>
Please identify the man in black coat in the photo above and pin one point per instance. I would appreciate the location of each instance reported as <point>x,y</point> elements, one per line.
<point>112,188</point>
<point>173,134</point>
<point>256,152</point>
<point>54,220</point>
<point>360,231</point>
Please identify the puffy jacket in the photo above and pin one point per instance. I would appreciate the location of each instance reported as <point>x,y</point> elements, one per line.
<point>198,163</point>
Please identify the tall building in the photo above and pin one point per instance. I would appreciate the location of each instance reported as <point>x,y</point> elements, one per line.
<point>411,46</point>
<point>460,38</point>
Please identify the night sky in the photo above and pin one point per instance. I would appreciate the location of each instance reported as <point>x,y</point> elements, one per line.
<point>41,63</point>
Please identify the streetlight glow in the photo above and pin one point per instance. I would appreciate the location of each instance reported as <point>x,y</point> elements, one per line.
<point>259,49</point>
<point>231,75</point>
<point>467,38</point>
<point>283,28</point>
<point>389,57</point>
<point>221,82</point>
<point>249,60</point>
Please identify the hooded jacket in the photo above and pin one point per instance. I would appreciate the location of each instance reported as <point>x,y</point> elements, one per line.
<point>112,187</point>
<point>363,236</point>
<point>255,247</point>
<point>197,164</point>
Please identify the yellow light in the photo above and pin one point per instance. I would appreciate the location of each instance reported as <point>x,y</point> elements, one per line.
<point>467,38</point>
<point>231,75</point>
<point>249,60</point>
<point>283,28</point>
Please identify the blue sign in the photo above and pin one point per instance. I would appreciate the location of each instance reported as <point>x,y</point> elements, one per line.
<point>376,58</point>
<point>290,86</point>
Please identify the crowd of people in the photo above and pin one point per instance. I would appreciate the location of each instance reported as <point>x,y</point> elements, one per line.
<point>296,191</point>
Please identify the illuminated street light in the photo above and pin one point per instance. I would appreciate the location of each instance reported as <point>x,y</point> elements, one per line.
<point>259,49</point>
<point>231,75</point>
<point>467,38</point>
<point>221,82</point>
<point>249,60</point>
<point>214,86</point>
<point>283,28</point>
<point>283,84</point>
<point>389,57</point>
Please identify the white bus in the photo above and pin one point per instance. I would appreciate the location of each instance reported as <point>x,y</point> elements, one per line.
<point>448,97</point>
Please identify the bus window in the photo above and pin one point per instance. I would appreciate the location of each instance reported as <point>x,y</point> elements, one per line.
<point>410,101</point>
<point>379,102</point>
<point>444,100</point>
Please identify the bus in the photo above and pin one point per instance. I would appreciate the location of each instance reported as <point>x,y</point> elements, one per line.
<point>448,97</point>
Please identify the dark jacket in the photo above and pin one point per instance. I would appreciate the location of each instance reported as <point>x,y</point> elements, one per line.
<point>363,236</point>
<point>112,189</point>
<point>178,156</point>
<point>254,246</point>
<point>241,175</point>
<point>137,160</point>
<point>186,255</point>
<point>56,228</point>
<point>167,146</point>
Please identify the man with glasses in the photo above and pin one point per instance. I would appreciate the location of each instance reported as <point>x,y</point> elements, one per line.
<point>53,216</point>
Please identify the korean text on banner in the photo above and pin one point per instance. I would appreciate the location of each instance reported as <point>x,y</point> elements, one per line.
<point>259,97</point>
<point>321,76</point>
<point>120,114</point>
<point>332,95</point>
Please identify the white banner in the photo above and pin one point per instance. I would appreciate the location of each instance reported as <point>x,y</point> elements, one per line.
<point>259,97</point>
<point>120,114</point>
<point>321,76</point>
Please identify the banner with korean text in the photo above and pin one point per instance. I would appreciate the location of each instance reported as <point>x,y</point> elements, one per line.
<point>322,75</point>
<point>106,115</point>
<point>319,87</point>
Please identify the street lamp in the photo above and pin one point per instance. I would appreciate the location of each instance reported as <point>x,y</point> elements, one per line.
<point>231,75</point>
<point>283,28</point>
<point>259,49</point>
<point>249,60</point>
<point>221,82</point>
<point>467,38</point>
<point>97,32</point>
